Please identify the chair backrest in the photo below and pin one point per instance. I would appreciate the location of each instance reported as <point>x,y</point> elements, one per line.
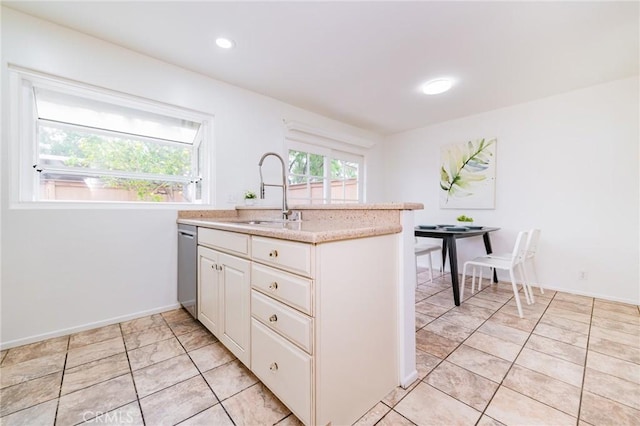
<point>532,243</point>
<point>519,249</point>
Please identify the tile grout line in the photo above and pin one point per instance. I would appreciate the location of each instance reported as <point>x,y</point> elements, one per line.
<point>130,372</point>
<point>182,381</point>
<point>512,363</point>
<point>64,369</point>
<point>530,333</point>
<point>174,336</point>
<point>106,380</point>
<point>607,374</point>
<point>175,356</point>
<point>98,383</point>
<point>122,334</point>
<point>586,358</point>
<point>585,369</point>
<point>514,359</point>
<point>135,388</point>
<point>584,366</point>
<point>201,374</point>
<point>387,413</point>
<point>497,310</point>
<point>461,343</point>
<point>57,398</point>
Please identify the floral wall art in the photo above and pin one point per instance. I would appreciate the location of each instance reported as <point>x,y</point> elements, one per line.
<point>468,175</point>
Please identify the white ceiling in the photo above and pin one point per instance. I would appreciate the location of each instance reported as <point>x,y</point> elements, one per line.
<point>362,62</point>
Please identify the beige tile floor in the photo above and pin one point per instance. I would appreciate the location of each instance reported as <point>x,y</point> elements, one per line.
<point>572,360</point>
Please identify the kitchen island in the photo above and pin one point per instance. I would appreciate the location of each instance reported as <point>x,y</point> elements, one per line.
<point>321,310</point>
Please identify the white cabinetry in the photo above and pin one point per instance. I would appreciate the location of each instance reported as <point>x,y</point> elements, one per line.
<point>209,289</point>
<point>224,290</point>
<point>281,326</point>
<point>318,324</point>
<point>235,301</point>
<point>290,289</point>
<point>287,255</point>
<point>324,324</point>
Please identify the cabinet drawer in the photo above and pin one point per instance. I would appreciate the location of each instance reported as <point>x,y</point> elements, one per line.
<point>288,288</point>
<point>289,255</point>
<point>288,322</point>
<point>231,242</point>
<point>283,368</point>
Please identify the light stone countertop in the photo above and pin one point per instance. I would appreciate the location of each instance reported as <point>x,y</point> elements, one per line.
<point>354,206</point>
<point>320,224</point>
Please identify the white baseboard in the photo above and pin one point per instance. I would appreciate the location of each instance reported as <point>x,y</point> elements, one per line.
<point>560,289</point>
<point>83,327</point>
<point>590,294</point>
<point>405,382</point>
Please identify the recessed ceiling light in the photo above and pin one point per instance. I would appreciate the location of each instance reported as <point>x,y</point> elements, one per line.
<point>225,43</point>
<point>439,85</point>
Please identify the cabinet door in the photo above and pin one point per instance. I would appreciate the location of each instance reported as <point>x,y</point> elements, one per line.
<point>209,289</point>
<point>285,369</point>
<point>236,299</point>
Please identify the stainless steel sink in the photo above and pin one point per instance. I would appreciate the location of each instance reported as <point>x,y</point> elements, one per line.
<point>272,223</point>
<point>261,222</point>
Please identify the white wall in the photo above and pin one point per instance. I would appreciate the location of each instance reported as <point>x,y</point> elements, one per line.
<point>568,165</point>
<point>66,269</point>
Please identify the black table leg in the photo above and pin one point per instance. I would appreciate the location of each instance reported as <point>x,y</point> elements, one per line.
<point>487,246</point>
<point>444,252</point>
<point>453,265</point>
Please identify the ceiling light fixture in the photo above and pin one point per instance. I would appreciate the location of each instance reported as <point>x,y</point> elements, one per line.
<point>225,43</point>
<point>439,85</point>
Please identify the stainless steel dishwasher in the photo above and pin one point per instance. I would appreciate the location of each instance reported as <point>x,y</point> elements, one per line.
<point>187,268</point>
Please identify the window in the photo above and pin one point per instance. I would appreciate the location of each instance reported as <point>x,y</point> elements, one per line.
<point>323,176</point>
<point>82,144</point>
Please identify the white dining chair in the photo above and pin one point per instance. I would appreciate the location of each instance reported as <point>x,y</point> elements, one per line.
<point>530,260</point>
<point>510,263</point>
<point>422,249</point>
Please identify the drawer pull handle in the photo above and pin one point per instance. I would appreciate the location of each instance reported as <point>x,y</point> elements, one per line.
<point>273,286</point>
<point>273,367</point>
<point>273,318</point>
<point>273,253</point>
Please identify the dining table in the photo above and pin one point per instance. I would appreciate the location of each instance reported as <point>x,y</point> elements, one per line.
<point>449,234</point>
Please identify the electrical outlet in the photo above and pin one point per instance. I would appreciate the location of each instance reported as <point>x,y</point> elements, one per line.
<point>232,198</point>
<point>582,275</point>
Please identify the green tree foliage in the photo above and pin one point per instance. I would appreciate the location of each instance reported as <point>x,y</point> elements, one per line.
<point>303,165</point>
<point>95,151</point>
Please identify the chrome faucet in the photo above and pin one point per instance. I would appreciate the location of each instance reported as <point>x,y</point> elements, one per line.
<point>285,207</point>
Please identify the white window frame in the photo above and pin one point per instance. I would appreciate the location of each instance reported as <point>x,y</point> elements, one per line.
<point>330,154</point>
<point>303,138</point>
<point>23,181</point>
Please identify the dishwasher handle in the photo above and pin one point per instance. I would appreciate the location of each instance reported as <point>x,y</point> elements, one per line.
<point>187,234</point>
